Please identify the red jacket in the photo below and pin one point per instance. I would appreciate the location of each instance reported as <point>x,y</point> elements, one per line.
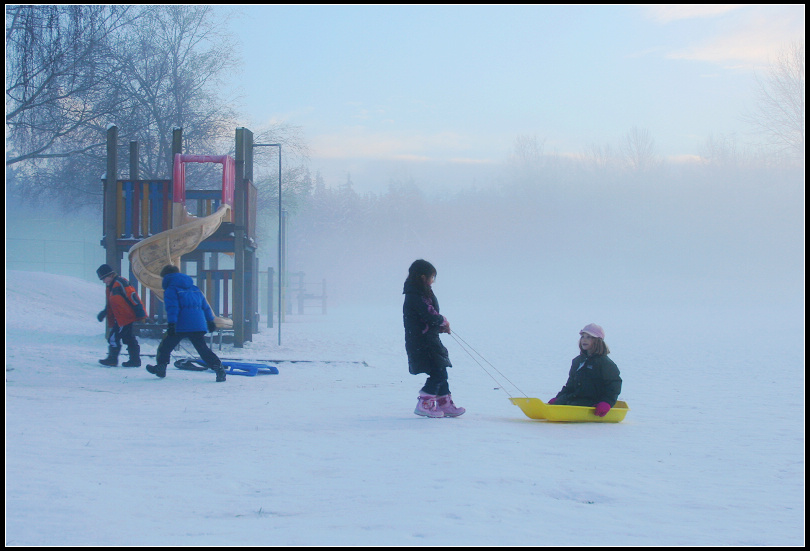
<point>123,304</point>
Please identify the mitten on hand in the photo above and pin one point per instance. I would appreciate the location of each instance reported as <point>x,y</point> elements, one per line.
<point>552,400</point>
<point>445,326</point>
<point>170,329</point>
<point>601,409</point>
<point>101,315</point>
<point>212,326</point>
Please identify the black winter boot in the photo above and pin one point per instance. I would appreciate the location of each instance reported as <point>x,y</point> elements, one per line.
<point>220,369</point>
<point>134,356</point>
<point>159,370</point>
<point>112,357</point>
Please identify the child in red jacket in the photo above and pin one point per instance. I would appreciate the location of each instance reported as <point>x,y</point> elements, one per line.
<point>123,309</point>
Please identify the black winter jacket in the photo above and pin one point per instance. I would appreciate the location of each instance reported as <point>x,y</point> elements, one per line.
<point>592,379</point>
<point>422,321</point>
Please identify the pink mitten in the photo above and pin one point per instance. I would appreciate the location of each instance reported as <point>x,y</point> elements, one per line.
<point>552,400</point>
<point>445,326</point>
<point>601,409</point>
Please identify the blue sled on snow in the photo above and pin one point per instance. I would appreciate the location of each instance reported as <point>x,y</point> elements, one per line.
<point>249,370</point>
<point>234,368</point>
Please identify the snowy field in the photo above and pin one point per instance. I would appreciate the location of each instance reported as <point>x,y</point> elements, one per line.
<point>328,452</point>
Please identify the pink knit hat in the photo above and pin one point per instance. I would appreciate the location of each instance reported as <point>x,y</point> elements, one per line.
<point>593,330</point>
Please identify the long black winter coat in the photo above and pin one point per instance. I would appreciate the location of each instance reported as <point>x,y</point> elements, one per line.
<point>422,320</point>
<point>592,379</point>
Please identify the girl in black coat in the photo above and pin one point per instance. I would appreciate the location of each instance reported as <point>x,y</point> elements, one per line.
<point>426,353</point>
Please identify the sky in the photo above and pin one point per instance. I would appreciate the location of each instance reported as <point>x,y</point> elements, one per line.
<point>387,89</point>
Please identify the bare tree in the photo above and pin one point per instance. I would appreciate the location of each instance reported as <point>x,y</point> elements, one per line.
<point>165,72</point>
<point>779,112</point>
<point>527,159</point>
<point>638,150</point>
<point>173,70</point>
<point>58,64</point>
<point>602,159</point>
<point>296,179</point>
<point>720,152</point>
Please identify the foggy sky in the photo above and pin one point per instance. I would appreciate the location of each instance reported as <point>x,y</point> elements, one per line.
<point>435,97</point>
<point>379,88</point>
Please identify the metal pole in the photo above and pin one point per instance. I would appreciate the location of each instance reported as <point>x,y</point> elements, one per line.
<point>280,258</point>
<point>269,297</point>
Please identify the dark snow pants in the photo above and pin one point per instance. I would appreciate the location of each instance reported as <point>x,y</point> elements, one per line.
<point>436,383</point>
<point>124,334</point>
<point>197,338</point>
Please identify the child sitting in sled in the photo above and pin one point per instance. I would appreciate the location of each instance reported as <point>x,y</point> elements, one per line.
<point>593,380</point>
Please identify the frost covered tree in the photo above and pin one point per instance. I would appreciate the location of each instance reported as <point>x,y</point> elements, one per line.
<point>173,68</point>
<point>147,69</point>
<point>638,150</point>
<point>779,111</point>
<point>526,160</point>
<point>58,66</point>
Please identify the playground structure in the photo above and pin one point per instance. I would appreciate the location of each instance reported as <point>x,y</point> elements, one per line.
<point>149,220</point>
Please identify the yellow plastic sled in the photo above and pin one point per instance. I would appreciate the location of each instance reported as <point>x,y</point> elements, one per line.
<point>535,408</point>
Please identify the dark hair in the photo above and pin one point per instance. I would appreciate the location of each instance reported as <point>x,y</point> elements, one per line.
<point>418,269</point>
<point>169,269</point>
<point>600,347</point>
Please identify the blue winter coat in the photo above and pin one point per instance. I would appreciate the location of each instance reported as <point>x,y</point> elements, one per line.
<point>186,306</point>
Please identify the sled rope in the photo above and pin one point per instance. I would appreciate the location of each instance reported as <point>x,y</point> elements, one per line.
<point>184,348</point>
<point>469,350</point>
<point>271,360</point>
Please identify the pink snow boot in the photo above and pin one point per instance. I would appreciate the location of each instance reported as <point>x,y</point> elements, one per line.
<point>446,405</point>
<point>426,406</point>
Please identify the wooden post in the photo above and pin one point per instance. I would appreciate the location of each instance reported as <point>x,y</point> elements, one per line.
<point>244,172</point>
<point>283,306</point>
<point>254,294</point>
<point>323,298</point>
<point>301,292</point>
<point>110,196</point>
<point>177,145</point>
<point>136,229</point>
<point>251,275</point>
<point>177,148</point>
<point>134,167</point>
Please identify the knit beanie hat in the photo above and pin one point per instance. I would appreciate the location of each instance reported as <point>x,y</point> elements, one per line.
<point>104,270</point>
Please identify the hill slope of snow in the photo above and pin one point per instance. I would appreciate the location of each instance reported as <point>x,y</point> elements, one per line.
<point>328,452</point>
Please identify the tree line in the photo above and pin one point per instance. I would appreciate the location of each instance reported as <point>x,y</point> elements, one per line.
<point>73,70</point>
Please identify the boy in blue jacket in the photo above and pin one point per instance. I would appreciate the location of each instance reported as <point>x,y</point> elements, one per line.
<point>189,317</point>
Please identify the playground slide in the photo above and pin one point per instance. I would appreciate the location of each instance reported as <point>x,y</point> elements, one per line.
<point>148,257</point>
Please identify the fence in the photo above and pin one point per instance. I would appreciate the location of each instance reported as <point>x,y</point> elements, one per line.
<point>303,294</point>
<point>55,256</point>
<point>80,259</point>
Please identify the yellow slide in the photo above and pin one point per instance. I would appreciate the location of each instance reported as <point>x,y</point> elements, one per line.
<point>148,257</point>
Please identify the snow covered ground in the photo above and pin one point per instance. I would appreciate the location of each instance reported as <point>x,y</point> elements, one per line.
<point>328,452</point>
